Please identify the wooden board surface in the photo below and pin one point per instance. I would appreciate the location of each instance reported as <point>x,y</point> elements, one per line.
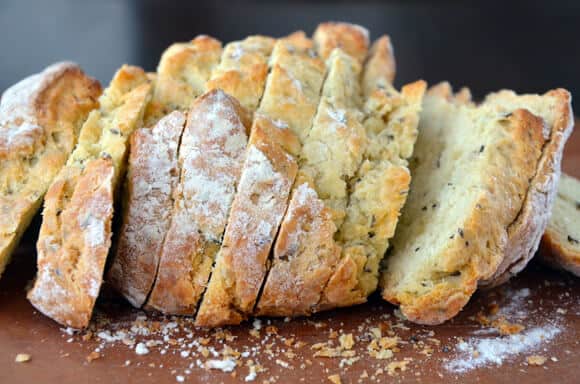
<point>545,302</point>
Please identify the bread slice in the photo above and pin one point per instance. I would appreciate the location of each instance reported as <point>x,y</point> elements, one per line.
<point>256,213</point>
<point>153,171</point>
<point>75,234</point>
<point>210,159</point>
<point>285,114</point>
<point>304,255</point>
<point>472,173</point>
<point>243,70</point>
<point>525,233</point>
<point>40,119</point>
<point>152,176</point>
<point>182,74</point>
<point>560,246</point>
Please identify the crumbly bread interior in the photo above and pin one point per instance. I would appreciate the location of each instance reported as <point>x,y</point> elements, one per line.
<point>75,234</point>
<point>561,241</point>
<point>471,172</point>
<point>40,119</point>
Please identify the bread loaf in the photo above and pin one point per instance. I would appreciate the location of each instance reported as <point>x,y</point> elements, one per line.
<point>40,119</point>
<point>75,234</point>
<point>560,245</point>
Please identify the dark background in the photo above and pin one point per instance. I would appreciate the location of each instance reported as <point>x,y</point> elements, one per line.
<point>527,46</point>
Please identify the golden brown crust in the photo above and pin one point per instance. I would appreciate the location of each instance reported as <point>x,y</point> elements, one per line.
<point>181,76</point>
<point>255,216</point>
<point>210,158</point>
<point>554,252</point>
<point>380,67</point>
<point>40,119</point>
<point>526,231</point>
<point>243,70</point>
<point>351,38</point>
<point>151,178</point>
<point>76,229</point>
<point>73,244</point>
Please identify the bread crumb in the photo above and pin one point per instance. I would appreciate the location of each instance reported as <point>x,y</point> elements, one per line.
<point>141,349</point>
<point>396,366</point>
<point>335,379</point>
<point>346,341</point>
<point>22,358</point>
<point>536,360</point>
<point>94,355</point>
<point>505,327</point>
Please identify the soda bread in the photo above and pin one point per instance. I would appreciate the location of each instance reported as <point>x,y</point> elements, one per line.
<point>152,174</point>
<point>525,233</point>
<point>211,155</point>
<point>350,38</point>
<point>560,245</point>
<point>304,256</point>
<point>259,205</point>
<point>472,173</point>
<point>40,119</point>
<point>285,113</point>
<point>243,69</point>
<point>75,234</point>
<point>182,73</point>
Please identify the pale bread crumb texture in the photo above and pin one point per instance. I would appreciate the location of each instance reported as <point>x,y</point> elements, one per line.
<point>561,242</point>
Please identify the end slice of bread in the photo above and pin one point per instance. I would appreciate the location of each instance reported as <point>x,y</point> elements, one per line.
<point>472,172</point>
<point>40,120</point>
<point>75,233</point>
<point>560,245</point>
<point>211,156</point>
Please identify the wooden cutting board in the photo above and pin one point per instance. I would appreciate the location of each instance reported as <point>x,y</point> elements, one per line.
<point>467,349</point>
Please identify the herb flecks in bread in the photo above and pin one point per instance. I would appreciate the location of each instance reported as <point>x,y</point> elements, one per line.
<point>40,119</point>
<point>75,233</point>
<point>560,245</point>
<point>472,170</point>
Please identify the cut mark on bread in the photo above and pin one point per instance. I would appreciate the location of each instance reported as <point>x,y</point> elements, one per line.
<point>40,119</point>
<point>210,158</point>
<point>76,229</point>
<point>285,112</point>
<point>305,252</point>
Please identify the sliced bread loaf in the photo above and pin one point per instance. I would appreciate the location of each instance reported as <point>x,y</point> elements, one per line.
<point>152,170</point>
<point>472,173</point>
<point>75,235</point>
<point>560,245</point>
<point>40,119</point>
<point>211,155</point>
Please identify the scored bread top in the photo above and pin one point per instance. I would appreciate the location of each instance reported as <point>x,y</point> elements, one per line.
<point>243,70</point>
<point>525,233</point>
<point>152,175</point>
<point>76,229</point>
<point>471,172</point>
<point>40,119</point>
<point>560,245</point>
<point>256,213</point>
<point>182,73</point>
<point>210,159</point>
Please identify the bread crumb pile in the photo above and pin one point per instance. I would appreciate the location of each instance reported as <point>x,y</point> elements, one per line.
<point>381,345</point>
